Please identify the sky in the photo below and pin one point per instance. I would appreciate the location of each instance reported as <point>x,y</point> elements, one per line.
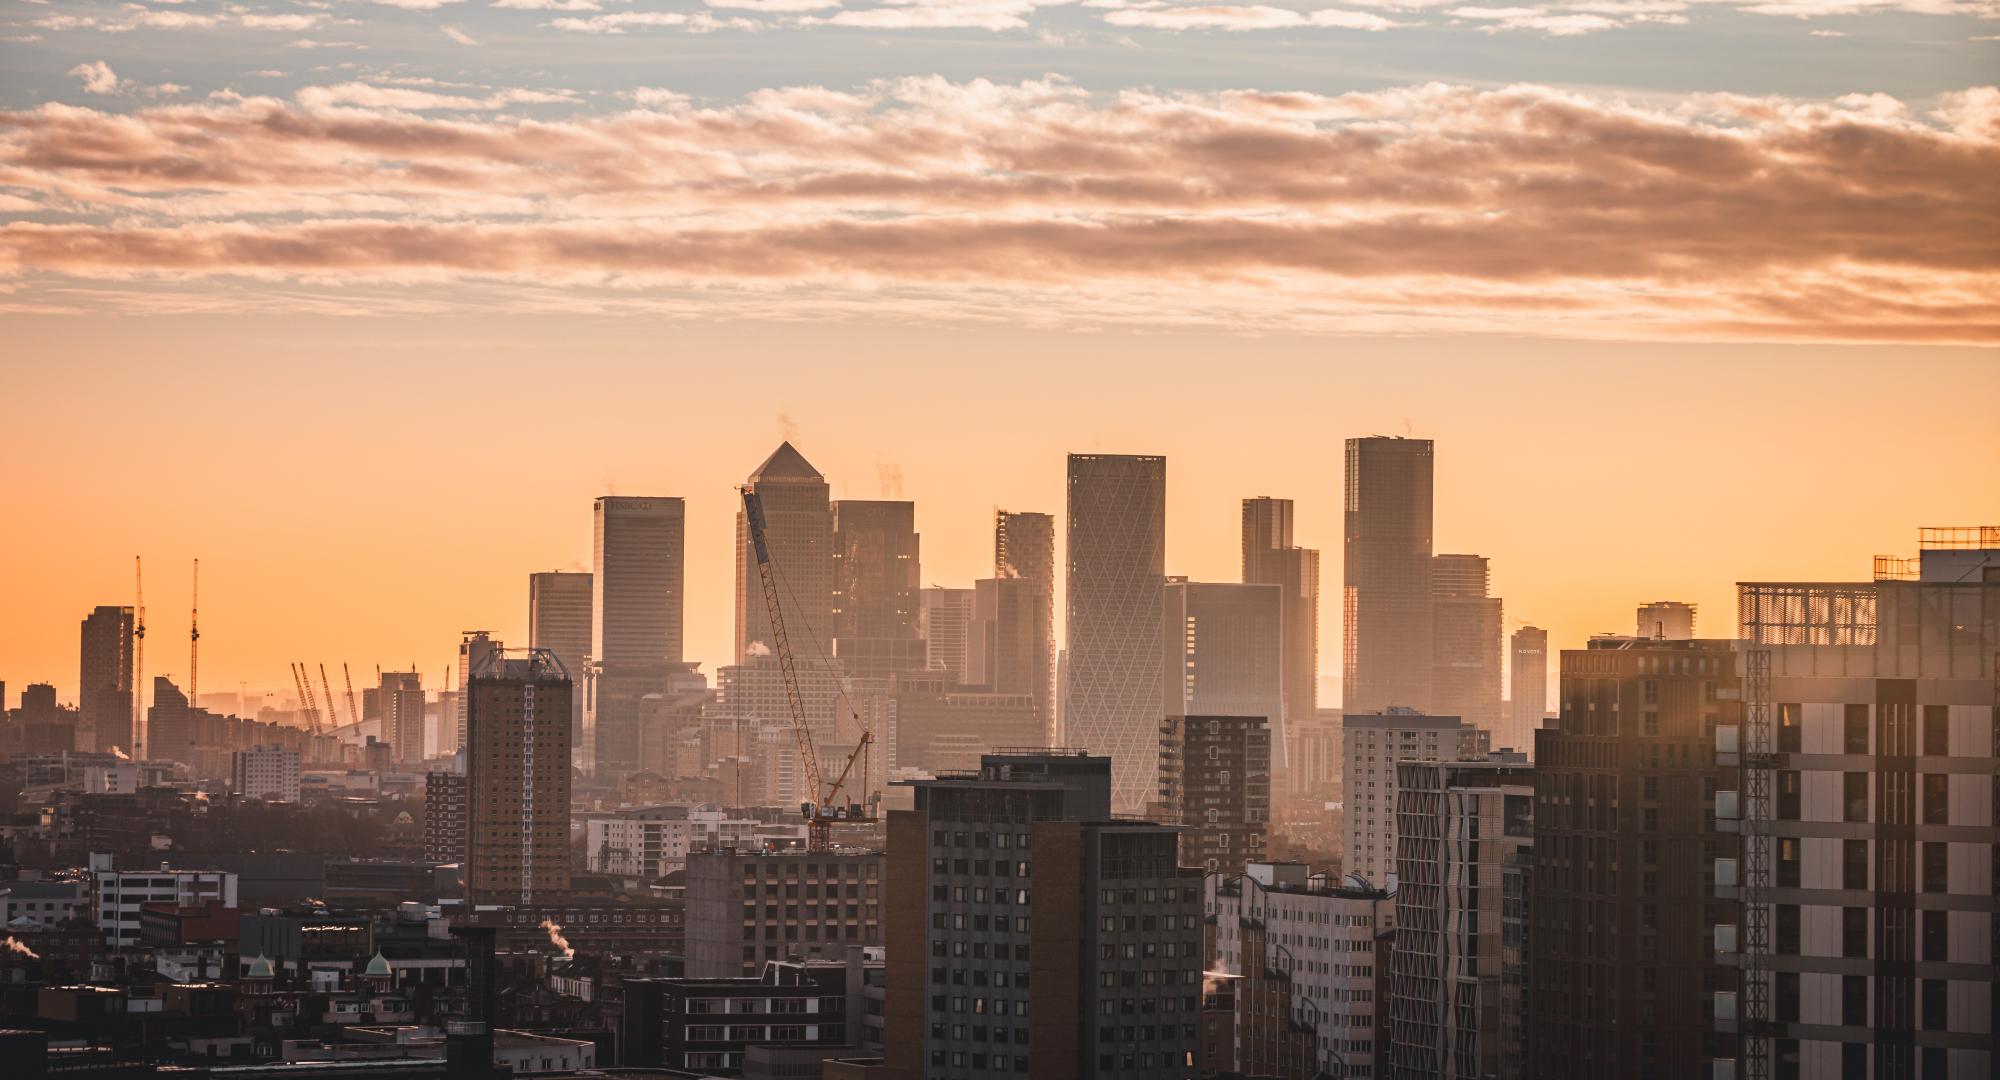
<point>363,302</point>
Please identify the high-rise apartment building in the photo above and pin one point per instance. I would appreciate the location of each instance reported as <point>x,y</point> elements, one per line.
<point>169,724</point>
<point>1528,680</point>
<point>1457,995</point>
<point>1112,700</point>
<point>1016,887</point>
<point>1024,549</point>
<point>104,687</point>
<point>517,762</point>
<point>444,817</point>
<point>798,530</point>
<point>1311,980</point>
<point>1870,761</point>
<point>266,773</point>
<point>637,587</point>
<point>1372,745</point>
<point>877,623</point>
<point>1465,643</point>
<point>475,648</point>
<point>559,620</point>
<point>1668,619</point>
<point>1270,558</point>
<point>1216,781</point>
<point>401,700</point>
<point>1386,596</point>
<point>1622,963</point>
<point>745,908</point>
<point>947,627</point>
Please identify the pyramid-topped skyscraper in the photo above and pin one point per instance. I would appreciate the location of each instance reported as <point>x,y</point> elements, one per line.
<point>799,525</point>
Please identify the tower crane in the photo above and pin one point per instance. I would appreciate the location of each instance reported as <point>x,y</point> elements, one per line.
<point>332,715</point>
<point>822,808</point>
<point>312,698</point>
<point>299,688</point>
<point>138,659</point>
<point>353,714</point>
<point>194,638</point>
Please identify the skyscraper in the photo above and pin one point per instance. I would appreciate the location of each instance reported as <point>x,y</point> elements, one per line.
<point>1270,558</point>
<point>474,649</point>
<point>1373,744</point>
<point>1024,548</point>
<point>1006,650</point>
<point>635,641</point>
<point>1113,701</point>
<point>798,527</point>
<point>1223,652</point>
<point>559,606</point>
<point>947,626</point>
<point>1386,597</point>
<point>876,581</point>
<point>1220,789</point>
<point>401,700</point>
<point>1529,698</point>
<point>517,780</point>
<point>104,689</point>
<point>1465,643</point>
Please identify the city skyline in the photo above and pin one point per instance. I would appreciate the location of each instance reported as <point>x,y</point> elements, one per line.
<point>438,589</point>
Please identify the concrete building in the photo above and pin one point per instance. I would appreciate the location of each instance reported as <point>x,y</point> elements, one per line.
<point>780,1022</point>
<point>1013,888</point>
<point>1217,784</point>
<point>1112,702</point>
<point>877,577</point>
<point>1372,745</point>
<point>401,699</point>
<point>1466,644</point>
<point>170,724</point>
<point>266,773</point>
<point>118,896</point>
<point>1024,550</point>
<point>42,905</point>
<point>559,620</point>
<point>1312,982</point>
<point>1457,1005</point>
<point>798,526</point>
<point>1623,965</point>
<point>1872,710</point>
<point>637,594</point>
<point>444,817</point>
<point>1528,681</point>
<point>1671,620</point>
<point>947,628</point>
<point>745,908</point>
<point>1386,597</point>
<point>104,684</point>
<point>751,717</point>
<point>1271,558</point>
<point>651,841</point>
<point>517,760</point>
<point>475,649</point>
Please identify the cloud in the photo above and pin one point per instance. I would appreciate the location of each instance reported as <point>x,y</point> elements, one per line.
<point>97,76</point>
<point>993,15</point>
<point>699,22</point>
<point>1244,17</point>
<point>1432,207</point>
<point>458,35</point>
<point>774,7</point>
<point>548,5</point>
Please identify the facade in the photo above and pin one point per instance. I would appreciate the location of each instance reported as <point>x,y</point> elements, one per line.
<point>517,763</point>
<point>798,524</point>
<point>650,841</point>
<point>637,592</point>
<point>1012,888</point>
<point>1466,644</point>
<point>119,896</point>
<point>940,725</point>
<point>1622,955</point>
<point>104,685</point>
<point>1270,558</point>
<point>42,905</point>
<point>1372,745</point>
<point>1224,652</point>
<point>745,908</point>
<point>1219,787</point>
<point>444,817</point>
<point>401,699</point>
<point>559,620</point>
<point>1873,710</point>
<point>267,773</point>
<point>1112,700</point>
<point>876,580</point>
<point>1024,550</point>
<point>947,628</point>
<point>797,1013</point>
<point>1303,947</point>
<point>475,649</point>
<point>1528,682</point>
<point>1386,596</point>
<point>1454,1014</point>
<point>1007,646</point>
<point>170,724</point>
<point>1668,619</point>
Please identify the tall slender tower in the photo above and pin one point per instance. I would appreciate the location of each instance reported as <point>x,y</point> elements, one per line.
<point>1024,547</point>
<point>798,527</point>
<point>1116,574</point>
<point>639,546</point>
<point>876,578</point>
<point>1466,642</point>
<point>104,688</point>
<point>1270,558</point>
<point>1386,598</point>
<point>559,606</point>
<point>517,779</point>
<point>1529,677</point>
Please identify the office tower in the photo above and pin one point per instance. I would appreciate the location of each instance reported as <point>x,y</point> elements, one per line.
<point>266,773</point>
<point>1270,558</point>
<point>1004,648</point>
<point>1623,965</point>
<point>877,626</point>
<point>1872,708</point>
<point>475,648</point>
<point>1114,594</point>
<point>1311,980</point>
<point>1024,549</point>
<point>752,717</point>
<point>559,620</point>
<point>1217,782</point>
<point>1372,744</point>
<point>444,817</point>
<point>639,546</point>
<point>1529,678</point>
<point>941,725</point>
<point>169,724</point>
<point>1224,652</point>
<point>745,908</point>
<point>1465,643</point>
<point>104,689</point>
<point>1386,597</point>
<point>517,784</point>
<point>1668,619</point>
<point>1018,879</point>
<point>401,700</point>
<point>798,529</point>
<point>947,627</point>
<point>1456,997</point>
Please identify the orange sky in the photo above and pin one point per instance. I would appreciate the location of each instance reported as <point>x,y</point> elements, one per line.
<point>361,490</point>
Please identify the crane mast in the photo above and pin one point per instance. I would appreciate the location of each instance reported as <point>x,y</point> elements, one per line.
<point>138,659</point>
<point>353,714</point>
<point>332,714</point>
<point>194,638</point>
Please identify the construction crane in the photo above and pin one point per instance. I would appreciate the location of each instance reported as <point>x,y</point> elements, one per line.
<point>353,714</point>
<point>194,639</point>
<point>332,715</point>
<point>138,659</point>
<point>312,697</point>
<point>299,688</point>
<point>822,808</point>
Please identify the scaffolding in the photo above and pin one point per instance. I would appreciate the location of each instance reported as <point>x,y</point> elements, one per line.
<point>1757,817</point>
<point>1806,613</point>
<point>1958,538</point>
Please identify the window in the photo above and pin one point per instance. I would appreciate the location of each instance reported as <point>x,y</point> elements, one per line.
<point>1788,929</point>
<point>1788,996</point>
<point>1936,866</point>
<point>1854,1057</point>
<point>1854,795</point>
<point>1857,730</point>
<point>1788,862</point>
<point>1788,795</point>
<point>1937,799</point>
<point>1937,730</point>
<point>1854,932</point>
<point>1934,1004</point>
<point>1936,936</point>
<point>1789,737</point>
<point>1854,864</point>
<point>1854,1001</point>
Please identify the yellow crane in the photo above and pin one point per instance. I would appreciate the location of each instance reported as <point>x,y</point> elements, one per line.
<point>332,717</point>
<point>353,714</point>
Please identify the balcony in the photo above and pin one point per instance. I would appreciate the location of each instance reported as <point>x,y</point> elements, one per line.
<point>1725,879</point>
<point>1725,1010</point>
<point>1728,811</point>
<point>1728,744</point>
<point>1725,939</point>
